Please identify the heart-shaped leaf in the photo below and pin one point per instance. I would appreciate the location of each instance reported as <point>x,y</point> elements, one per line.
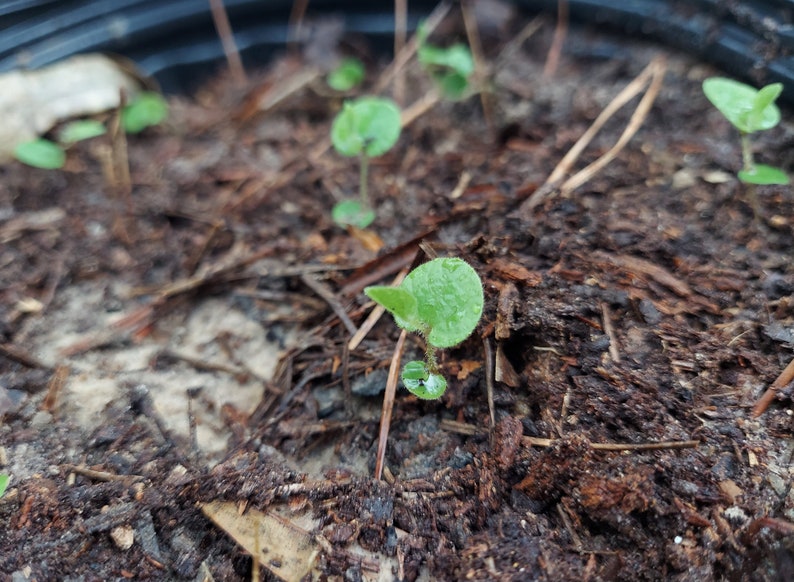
<point>369,125</point>
<point>449,299</point>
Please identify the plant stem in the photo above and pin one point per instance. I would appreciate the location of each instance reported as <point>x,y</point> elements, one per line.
<point>749,166</point>
<point>747,153</point>
<point>362,184</point>
<point>430,359</point>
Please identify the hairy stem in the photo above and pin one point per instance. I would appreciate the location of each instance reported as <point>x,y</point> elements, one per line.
<point>430,359</point>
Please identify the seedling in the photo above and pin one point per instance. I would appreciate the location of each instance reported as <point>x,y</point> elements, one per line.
<point>366,127</point>
<point>749,110</point>
<point>148,109</point>
<point>80,130</point>
<point>451,67</point>
<point>348,75</point>
<point>41,153</point>
<point>442,300</point>
<point>3,483</point>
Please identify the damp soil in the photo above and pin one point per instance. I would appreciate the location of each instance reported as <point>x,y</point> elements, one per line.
<point>597,424</point>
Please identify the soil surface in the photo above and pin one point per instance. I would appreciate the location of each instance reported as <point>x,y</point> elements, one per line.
<point>175,370</point>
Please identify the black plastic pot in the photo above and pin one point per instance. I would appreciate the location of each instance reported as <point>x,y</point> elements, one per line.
<point>175,40</point>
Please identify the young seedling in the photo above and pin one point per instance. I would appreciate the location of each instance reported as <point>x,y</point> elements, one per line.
<point>451,67</point>
<point>749,110</point>
<point>147,110</point>
<point>442,300</point>
<point>41,153</point>
<point>348,75</point>
<point>81,129</point>
<point>3,483</point>
<point>366,127</point>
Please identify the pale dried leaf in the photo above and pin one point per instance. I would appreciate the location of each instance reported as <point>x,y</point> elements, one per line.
<point>32,102</point>
<point>285,549</point>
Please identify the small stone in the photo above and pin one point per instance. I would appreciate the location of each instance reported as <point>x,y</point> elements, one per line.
<point>123,536</point>
<point>41,419</point>
<point>371,384</point>
<point>735,515</point>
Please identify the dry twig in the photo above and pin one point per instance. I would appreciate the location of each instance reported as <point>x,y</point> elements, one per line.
<point>470,429</point>
<point>408,51</point>
<point>224,29</point>
<point>473,34</point>
<point>331,300</point>
<point>489,383</point>
<point>400,34</point>
<point>785,378</point>
<point>373,317</point>
<point>606,316</point>
<point>560,32</point>
<point>651,77</point>
<point>388,403</point>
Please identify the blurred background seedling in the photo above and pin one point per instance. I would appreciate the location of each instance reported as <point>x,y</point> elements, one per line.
<point>4,478</point>
<point>749,110</point>
<point>147,110</point>
<point>450,67</point>
<point>81,129</point>
<point>347,76</point>
<point>366,127</point>
<point>41,153</point>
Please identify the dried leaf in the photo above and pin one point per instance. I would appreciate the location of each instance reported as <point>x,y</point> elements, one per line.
<point>285,549</point>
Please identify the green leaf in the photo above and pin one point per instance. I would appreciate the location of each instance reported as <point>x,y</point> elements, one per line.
<point>415,370</point>
<point>763,175</point>
<point>430,388</point>
<point>147,110</point>
<point>457,58</point>
<point>347,75</point>
<point>352,213</point>
<point>40,153</point>
<point>764,99</point>
<point>369,125</point>
<point>449,67</point>
<point>748,109</point>
<point>80,130</point>
<point>399,302</point>
<point>453,86</point>
<point>449,299</point>
<point>3,483</point>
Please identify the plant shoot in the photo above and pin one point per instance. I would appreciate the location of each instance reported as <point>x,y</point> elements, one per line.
<point>749,110</point>
<point>366,127</point>
<point>451,67</point>
<point>41,153</point>
<point>442,300</point>
<point>80,130</point>
<point>348,75</point>
<point>148,109</point>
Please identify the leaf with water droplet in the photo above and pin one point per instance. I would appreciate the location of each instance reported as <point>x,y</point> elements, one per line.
<point>445,304</point>
<point>422,384</point>
<point>449,299</point>
<point>415,370</point>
